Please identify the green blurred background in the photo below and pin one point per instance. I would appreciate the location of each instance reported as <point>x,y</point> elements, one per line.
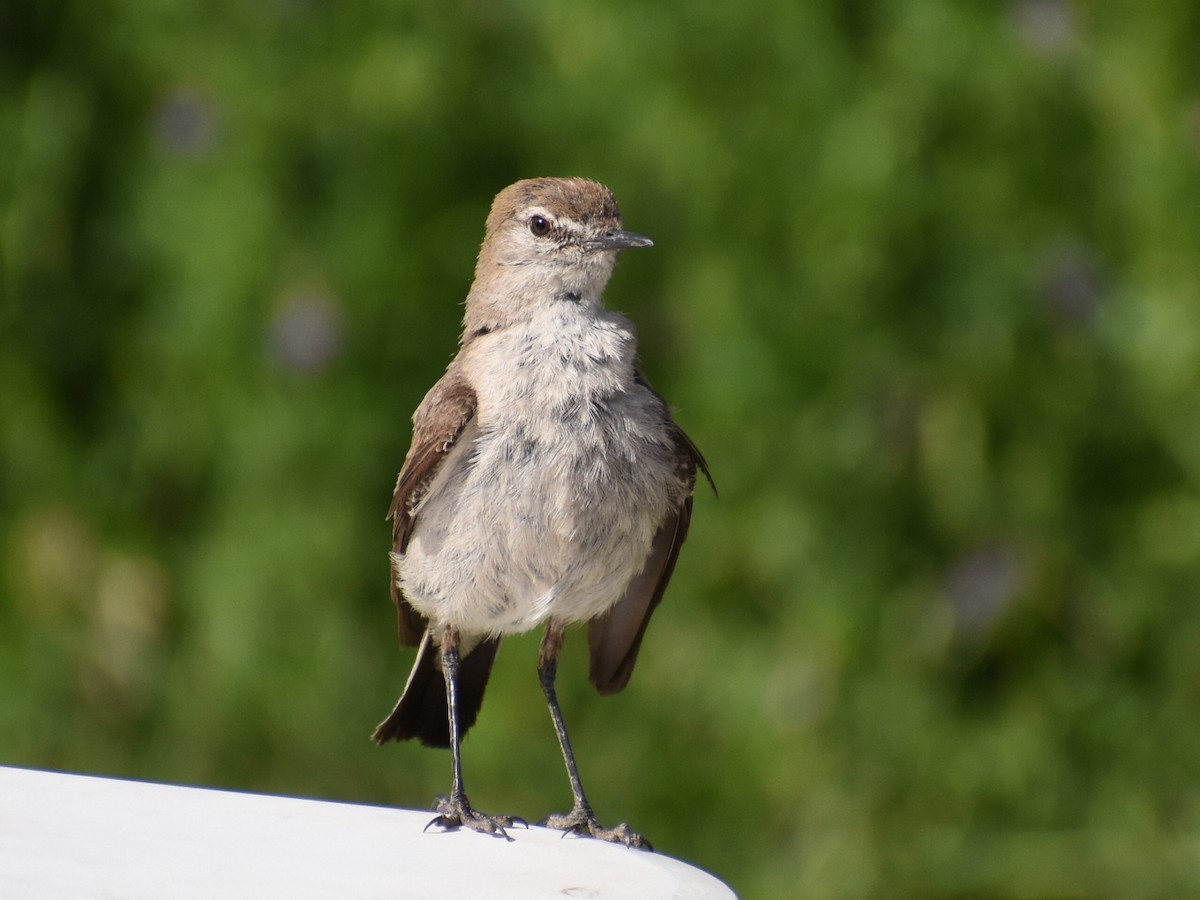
<point>924,291</point>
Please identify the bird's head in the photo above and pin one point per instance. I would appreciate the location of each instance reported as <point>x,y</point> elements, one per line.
<point>548,240</point>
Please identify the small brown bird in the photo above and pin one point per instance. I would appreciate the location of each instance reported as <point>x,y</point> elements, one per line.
<point>546,484</point>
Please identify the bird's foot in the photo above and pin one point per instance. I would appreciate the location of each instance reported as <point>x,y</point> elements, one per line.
<point>456,812</point>
<point>581,821</point>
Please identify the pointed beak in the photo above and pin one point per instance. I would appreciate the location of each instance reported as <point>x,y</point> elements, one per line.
<point>618,240</point>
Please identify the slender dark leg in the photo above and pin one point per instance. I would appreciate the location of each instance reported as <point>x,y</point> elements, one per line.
<point>455,811</point>
<point>581,819</point>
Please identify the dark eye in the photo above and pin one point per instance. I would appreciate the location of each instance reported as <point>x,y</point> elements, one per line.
<point>539,226</point>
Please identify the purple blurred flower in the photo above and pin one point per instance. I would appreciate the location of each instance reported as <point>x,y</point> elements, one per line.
<point>1047,27</point>
<point>185,124</point>
<point>1070,283</point>
<point>981,585</point>
<point>306,333</point>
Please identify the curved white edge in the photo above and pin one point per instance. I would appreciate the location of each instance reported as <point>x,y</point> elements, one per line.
<point>77,836</point>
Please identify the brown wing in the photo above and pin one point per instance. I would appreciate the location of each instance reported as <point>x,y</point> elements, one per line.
<point>437,425</point>
<point>690,457</point>
<point>615,637</point>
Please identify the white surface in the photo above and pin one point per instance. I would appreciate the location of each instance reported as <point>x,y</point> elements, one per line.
<point>73,836</point>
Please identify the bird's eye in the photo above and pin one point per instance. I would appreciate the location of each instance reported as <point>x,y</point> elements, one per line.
<point>539,225</point>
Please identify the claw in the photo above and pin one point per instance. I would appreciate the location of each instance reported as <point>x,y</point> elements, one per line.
<point>583,823</point>
<point>457,812</point>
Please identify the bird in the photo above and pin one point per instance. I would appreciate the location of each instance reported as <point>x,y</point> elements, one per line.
<point>546,485</point>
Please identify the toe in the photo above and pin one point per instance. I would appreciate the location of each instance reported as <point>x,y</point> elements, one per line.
<point>456,813</point>
<point>581,823</point>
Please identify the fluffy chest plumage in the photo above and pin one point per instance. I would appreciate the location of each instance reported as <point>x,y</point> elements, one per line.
<point>563,394</point>
<point>550,506</point>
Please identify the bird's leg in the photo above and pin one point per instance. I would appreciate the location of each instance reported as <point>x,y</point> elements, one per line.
<point>581,819</point>
<point>455,811</point>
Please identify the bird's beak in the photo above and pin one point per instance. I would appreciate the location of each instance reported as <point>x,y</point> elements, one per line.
<point>618,240</point>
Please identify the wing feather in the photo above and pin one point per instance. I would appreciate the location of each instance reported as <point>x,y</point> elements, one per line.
<point>615,637</point>
<point>438,423</point>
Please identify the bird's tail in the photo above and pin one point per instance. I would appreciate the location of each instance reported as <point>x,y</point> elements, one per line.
<point>421,712</point>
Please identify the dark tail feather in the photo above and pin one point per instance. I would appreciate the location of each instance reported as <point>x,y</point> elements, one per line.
<point>421,711</point>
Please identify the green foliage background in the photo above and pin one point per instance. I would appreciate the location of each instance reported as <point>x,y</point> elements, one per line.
<point>924,290</point>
